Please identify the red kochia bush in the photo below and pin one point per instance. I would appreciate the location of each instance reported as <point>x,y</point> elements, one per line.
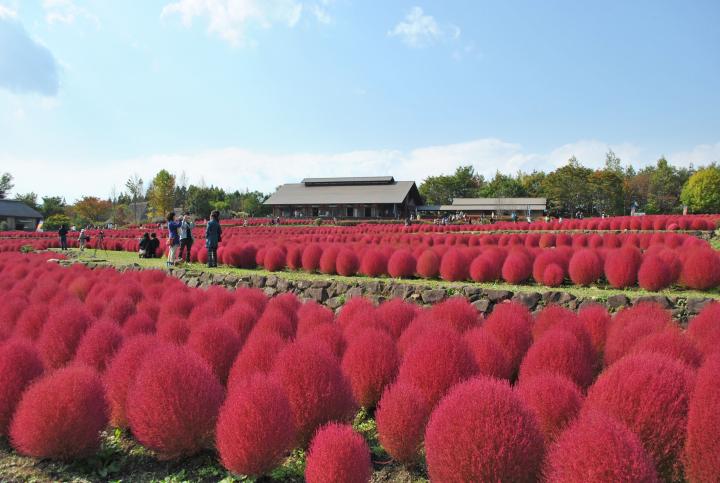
<point>551,316</point>
<point>20,364</point>
<point>139,323</point>
<point>517,267</point>
<point>370,363</point>
<point>671,342</point>
<point>621,266</point>
<point>454,266</point>
<point>99,344</point>
<point>511,324</point>
<point>401,417</point>
<point>173,403</point>
<point>373,263</point>
<point>255,427</point>
<point>218,345</point>
<point>428,264</point>
<point>317,391</point>
<point>702,450</point>
<point>554,399</point>
<point>704,328</point>
<point>437,360</point>
<point>654,273</point>
<point>585,267</point>
<point>61,415</point>
<point>486,268</point>
<point>396,315</point>
<point>559,352</point>
<point>328,259</point>
<point>553,276</point>
<point>481,431</point>
<point>310,315</point>
<point>274,259</point>
<point>596,320</point>
<point>701,269</point>
<point>455,312</point>
<point>347,263</point>
<point>311,257</point>
<point>121,373</point>
<point>650,393</point>
<point>401,264</point>
<point>632,324</point>
<point>338,453</point>
<point>597,448</point>
<point>61,334</point>
<point>491,359</point>
<point>257,355</point>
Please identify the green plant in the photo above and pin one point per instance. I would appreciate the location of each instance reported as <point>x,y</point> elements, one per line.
<point>3,226</point>
<point>317,222</point>
<point>26,249</point>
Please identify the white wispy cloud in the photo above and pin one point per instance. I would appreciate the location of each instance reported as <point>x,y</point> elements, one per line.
<point>67,12</point>
<point>230,19</point>
<point>419,29</point>
<point>237,168</point>
<point>7,12</point>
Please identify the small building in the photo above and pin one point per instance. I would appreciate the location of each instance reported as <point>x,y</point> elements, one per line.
<point>501,207</point>
<point>355,197</point>
<point>19,216</point>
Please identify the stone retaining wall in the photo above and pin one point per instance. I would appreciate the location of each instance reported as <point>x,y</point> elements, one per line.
<point>334,293</point>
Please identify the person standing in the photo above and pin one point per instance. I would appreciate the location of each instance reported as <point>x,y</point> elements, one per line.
<point>213,237</point>
<point>186,238</point>
<point>173,240</point>
<point>82,240</point>
<point>62,233</point>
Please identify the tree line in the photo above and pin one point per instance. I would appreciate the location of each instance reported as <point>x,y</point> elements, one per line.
<point>141,202</point>
<point>572,188</point>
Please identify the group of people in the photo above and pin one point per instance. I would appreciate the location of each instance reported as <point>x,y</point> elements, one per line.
<point>180,238</point>
<point>83,238</point>
<point>149,244</point>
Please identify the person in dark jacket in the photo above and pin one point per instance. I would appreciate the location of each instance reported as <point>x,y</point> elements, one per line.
<point>153,246</point>
<point>144,245</point>
<point>213,237</point>
<point>62,233</point>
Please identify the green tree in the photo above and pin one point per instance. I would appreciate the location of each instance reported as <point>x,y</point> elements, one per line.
<point>52,205</point>
<point>441,190</point>
<point>606,189</point>
<point>503,186</point>
<point>533,183</point>
<point>200,199</point>
<point>54,222</point>
<point>162,196</point>
<point>567,189</point>
<point>664,185</point>
<point>6,185</point>
<point>29,199</point>
<point>701,192</point>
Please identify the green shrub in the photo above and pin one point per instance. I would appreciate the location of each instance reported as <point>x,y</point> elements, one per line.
<point>53,222</point>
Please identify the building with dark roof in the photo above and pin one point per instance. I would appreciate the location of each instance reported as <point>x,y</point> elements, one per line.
<point>356,197</point>
<point>501,207</point>
<point>19,216</point>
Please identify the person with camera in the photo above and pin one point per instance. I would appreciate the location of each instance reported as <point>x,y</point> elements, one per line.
<point>62,233</point>
<point>213,237</point>
<point>186,238</point>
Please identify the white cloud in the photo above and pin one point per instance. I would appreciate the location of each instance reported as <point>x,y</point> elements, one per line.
<point>418,29</point>
<point>66,12</point>
<point>7,12</point>
<point>237,168</point>
<point>699,155</point>
<point>230,19</point>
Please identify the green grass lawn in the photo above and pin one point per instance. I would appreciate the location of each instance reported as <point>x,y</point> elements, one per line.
<point>118,258</point>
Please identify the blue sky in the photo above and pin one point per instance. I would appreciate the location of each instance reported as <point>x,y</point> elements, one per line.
<point>253,93</point>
